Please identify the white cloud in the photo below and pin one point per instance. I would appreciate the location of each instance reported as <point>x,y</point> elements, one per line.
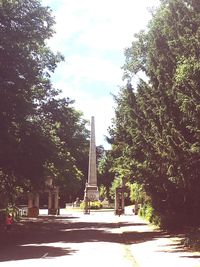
<point>92,35</point>
<point>99,107</point>
<point>102,109</point>
<point>92,68</point>
<point>113,23</point>
<point>100,24</point>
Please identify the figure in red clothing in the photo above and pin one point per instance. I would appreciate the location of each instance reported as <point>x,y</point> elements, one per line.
<point>9,221</point>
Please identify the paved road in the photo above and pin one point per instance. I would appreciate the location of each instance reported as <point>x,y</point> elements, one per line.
<point>72,239</point>
<point>98,239</point>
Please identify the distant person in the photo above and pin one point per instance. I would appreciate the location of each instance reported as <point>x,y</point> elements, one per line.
<point>9,222</point>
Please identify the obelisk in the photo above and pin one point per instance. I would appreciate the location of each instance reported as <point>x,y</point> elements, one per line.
<point>91,189</point>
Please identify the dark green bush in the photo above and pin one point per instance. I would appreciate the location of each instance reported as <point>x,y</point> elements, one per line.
<point>94,205</point>
<point>146,211</point>
<point>192,239</point>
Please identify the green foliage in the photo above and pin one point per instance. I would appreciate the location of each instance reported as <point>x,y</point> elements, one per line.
<point>147,212</point>
<point>94,205</point>
<point>192,239</point>
<point>102,192</point>
<point>40,133</point>
<point>25,63</point>
<point>116,183</point>
<point>68,130</point>
<point>155,132</point>
<point>105,172</point>
<point>137,193</point>
<point>186,67</point>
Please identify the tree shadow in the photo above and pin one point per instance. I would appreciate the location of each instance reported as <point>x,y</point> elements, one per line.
<point>178,246</point>
<point>131,224</point>
<point>20,252</point>
<point>52,236</point>
<point>191,257</point>
<point>141,237</point>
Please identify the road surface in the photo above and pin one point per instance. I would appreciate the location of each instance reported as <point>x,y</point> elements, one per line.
<point>98,239</point>
<point>71,239</point>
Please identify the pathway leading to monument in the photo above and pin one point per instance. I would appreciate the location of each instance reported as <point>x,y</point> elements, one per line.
<point>96,239</point>
<point>72,239</point>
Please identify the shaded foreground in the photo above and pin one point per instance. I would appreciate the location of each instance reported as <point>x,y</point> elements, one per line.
<point>96,239</point>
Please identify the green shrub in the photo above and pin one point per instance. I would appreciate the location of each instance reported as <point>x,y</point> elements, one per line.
<point>147,211</point>
<point>192,239</point>
<point>171,220</point>
<point>94,205</point>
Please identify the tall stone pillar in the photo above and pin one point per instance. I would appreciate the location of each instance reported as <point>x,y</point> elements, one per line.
<point>53,201</point>
<point>91,189</point>
<point>30,200</point>
<point>33,204</point>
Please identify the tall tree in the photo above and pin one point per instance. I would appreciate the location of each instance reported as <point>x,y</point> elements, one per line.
<point>105,173</point>
<point>68,131</point>
<point>39,133</point>
<point>25,63</point>
<point>160,126</point>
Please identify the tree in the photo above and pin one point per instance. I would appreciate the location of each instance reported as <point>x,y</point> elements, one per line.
<point>40,134</point>
<point>105,173</point>
<point>69,162</point>
<point>156,128</point>
<point>25,63</point>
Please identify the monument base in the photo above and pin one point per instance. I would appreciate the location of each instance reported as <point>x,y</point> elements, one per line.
<point>53,212</point>
<point>33,212</point>
<point>91,193</point>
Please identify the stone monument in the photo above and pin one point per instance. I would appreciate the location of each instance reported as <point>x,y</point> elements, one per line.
<point>53,196</point>
<point>91,189</point>
<point>33,204</point>
<point>53,201</point>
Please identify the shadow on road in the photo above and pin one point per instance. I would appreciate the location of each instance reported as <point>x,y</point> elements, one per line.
<point>34,252</point>
<point>51,237</point>
<point>191,257</point>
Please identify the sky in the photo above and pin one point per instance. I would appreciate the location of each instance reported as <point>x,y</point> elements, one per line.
<point>92,35</point>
